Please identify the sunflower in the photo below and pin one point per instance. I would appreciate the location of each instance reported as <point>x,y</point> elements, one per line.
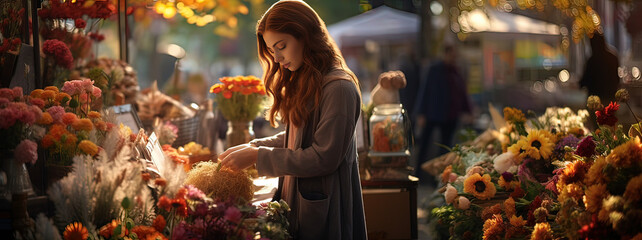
<point>633,189</point>
<point>75,231</point>
<point>626,154</point>
<point>519,148</point>
<point>542,231</point>
<point>481,187</point>
<point>540,140</point>
<point>593,197</point>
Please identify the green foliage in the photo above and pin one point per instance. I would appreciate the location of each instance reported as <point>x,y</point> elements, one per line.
<point>240,107</point>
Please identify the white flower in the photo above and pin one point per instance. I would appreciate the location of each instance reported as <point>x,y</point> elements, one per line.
<point>450,193</point>
<point>464,203</point>
<point>503,162</point>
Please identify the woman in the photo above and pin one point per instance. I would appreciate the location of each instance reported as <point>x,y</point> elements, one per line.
<point>317,97</point>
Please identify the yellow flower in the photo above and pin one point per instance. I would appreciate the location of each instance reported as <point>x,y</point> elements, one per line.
<point>633,190</point>
<point>572,190</point>
<point>507,185</point>
<point>626,154</point>
<point>595,174</point>
<point>93,114</point>
<point>593,103</point>
<point>481,187</point>
<point>593,197</point>
<point>540,140</point>
<point>542,231</point>
<point>88,147</point>
<point>519,148</point>
<point>509,207</point>
<point>83,124</point>
<point>514,115</point>
<point>517,221</point>
<point>75,231</point>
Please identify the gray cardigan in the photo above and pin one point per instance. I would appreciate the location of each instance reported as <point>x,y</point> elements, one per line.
<point>326,199</point>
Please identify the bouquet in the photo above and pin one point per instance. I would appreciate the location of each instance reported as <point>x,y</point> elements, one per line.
<point>239,98</point>
<point>17,127</point>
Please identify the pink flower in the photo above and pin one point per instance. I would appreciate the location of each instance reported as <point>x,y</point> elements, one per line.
<point>464,203</point>
<point>6,93</point>
<point>70,88</point>
<point>233,214</point>
<point>450,194</point>
<point>194,193</point>
<point>36,102</point>
<point>17,92</point>
<point>26,152</point>
<point>87,85</point>
<point>56,113</point>
<point>96,92</point>
<point>8,118</point>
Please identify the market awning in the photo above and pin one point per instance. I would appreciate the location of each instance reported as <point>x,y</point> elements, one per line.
<point>380,24</point>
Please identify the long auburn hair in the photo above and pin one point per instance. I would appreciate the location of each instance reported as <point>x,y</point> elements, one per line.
<point>292,91</point>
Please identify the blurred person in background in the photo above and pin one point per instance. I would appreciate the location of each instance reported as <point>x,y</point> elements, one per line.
<point>442,100</point>
<point>600,75</point>
<point>317,97</point>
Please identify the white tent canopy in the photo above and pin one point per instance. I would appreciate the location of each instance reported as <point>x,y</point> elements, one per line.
<point>379,24</point>
<point>502,22</point>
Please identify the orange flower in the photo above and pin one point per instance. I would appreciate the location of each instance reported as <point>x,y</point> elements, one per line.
<point>83,124</point>
<point>445,176</point>
<point>634,189</point>
<point>52,88</point>
<point>45,119</point>
<point>88,147</point>
<point>593,197</point>
<point>36,93</point>
<point>101,125</point>
<point>146,176</point>
<point>493,227</point>
<point>143,231</point>
<point>509,207</point>
<point>159,223</point>
<point>217,88</point>
<point>75,231</point>
<point>156,236</point>
<point>62,97</point>
<point>542,231</point>
<point>93,114</point>
<point>69,118</point>
<point>48,95</point>
<point>626,154</point>
<point>160,182</point>
<point>108,229</point>
<point>247,91</point>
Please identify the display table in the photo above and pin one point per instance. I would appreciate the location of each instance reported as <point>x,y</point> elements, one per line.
<point>391,208</point>
<point>265,189</point>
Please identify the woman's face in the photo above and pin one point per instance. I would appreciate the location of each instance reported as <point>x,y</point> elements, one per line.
<point>286,50</point>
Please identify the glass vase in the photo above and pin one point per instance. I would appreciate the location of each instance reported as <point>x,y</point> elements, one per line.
<point>239,132</point>
<point>17,175</point>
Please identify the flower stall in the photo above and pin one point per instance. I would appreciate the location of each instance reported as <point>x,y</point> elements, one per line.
<point>545,177</point>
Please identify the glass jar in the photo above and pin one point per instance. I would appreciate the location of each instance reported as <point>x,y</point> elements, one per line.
<point>389,129</point>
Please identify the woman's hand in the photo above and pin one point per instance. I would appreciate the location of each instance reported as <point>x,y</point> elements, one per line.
<point>239,157</point>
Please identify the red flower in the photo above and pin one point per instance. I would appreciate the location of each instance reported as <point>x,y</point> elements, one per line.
<point>159,223</point>
<point>80,23</point>
<point>586,147</point>
<point>59,52</point>
<point>165,203</point>
<point>607,116</point>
